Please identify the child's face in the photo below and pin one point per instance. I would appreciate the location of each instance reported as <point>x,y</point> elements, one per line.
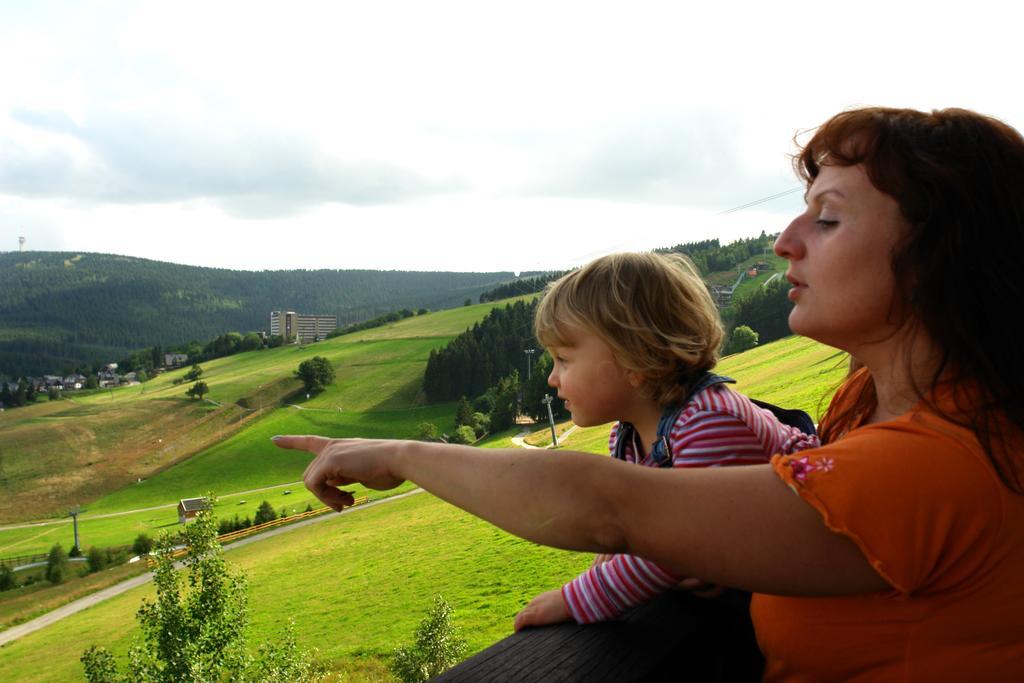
<point>595,388</point>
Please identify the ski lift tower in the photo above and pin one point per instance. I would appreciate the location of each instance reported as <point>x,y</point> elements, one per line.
<point>73,514</point>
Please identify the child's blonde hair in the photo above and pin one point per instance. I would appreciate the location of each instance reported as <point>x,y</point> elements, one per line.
<point>653,311</point>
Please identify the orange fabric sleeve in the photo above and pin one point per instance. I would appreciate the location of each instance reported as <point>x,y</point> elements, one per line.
<point>921,504</point>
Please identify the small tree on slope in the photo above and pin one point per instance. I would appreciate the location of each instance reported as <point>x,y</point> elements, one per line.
<point>198,634</point>
<point>315,373</point>
<point>438,646</point>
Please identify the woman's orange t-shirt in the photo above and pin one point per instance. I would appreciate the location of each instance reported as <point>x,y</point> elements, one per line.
<point>919,497</point>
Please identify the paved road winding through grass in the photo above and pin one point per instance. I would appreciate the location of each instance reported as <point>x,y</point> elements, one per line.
<point>76,606</point>
<point>67,610</point>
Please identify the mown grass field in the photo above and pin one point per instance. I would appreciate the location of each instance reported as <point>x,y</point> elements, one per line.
<point>356,585</point>
<point>794,372</point>
<point>248,459</point>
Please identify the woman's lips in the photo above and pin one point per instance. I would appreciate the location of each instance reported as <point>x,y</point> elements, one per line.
<point>798,287</point>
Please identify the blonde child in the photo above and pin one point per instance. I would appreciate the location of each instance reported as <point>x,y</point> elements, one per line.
<point>632,337</point>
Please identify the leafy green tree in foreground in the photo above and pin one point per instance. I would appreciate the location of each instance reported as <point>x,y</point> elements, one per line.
<point>438,646</point>
<point>195,629</point>
<point>315,373</point>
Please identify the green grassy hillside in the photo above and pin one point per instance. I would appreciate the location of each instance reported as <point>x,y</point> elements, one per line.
<point>377,370</point>
<point>68,452</point>
<point>356,585</point>
<point>749,284</point>
<point>794,372</point>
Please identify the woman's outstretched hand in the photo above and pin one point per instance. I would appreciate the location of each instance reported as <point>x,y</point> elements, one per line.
<point>340,462</point>
<point>547,608</point>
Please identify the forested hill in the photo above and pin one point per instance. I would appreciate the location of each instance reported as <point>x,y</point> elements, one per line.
<point>59,309</point>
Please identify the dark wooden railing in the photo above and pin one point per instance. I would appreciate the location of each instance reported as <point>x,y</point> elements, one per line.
<point>676,637</point>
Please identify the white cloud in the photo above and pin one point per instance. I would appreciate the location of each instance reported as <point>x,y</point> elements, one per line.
<point>430,135</point>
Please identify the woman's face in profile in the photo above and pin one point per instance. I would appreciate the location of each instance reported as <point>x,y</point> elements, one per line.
<point>840,260</point>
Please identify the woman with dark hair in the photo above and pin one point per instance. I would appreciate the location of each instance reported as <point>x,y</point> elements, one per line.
<point>901,553</point>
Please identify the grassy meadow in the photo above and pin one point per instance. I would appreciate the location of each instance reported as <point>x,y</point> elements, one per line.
<point>148,445</point>
<point>794,372</point>
<point>356,584</point>
<point>375,396</point>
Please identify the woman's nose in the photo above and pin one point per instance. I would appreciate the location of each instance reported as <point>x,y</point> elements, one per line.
<point>789,244</point>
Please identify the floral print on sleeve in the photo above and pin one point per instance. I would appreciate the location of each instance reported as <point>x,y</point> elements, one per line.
<point>804,465</point>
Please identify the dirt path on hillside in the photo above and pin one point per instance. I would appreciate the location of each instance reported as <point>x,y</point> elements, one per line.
<point>88,601</point>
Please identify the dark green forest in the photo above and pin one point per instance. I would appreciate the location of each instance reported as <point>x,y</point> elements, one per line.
<point>59,310</point>
<point>711,257</point>
<point>766,311</point>
<point>489,365</point>
<point>475,360</point>
<point>524,285</point>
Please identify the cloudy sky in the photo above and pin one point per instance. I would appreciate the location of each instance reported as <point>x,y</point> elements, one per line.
<point>448,135</point>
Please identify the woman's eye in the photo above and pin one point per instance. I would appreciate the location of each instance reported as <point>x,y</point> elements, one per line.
<point>825,223</point>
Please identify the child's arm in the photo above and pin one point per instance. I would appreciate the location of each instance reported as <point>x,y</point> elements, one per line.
<point>606,590</point>
<point>705,438</point>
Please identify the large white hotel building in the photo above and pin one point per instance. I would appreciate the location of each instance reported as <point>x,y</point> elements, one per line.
<point>306,328</point>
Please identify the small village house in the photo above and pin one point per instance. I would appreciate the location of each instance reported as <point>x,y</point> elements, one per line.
<point>175,360</point>
<point>188,508</point>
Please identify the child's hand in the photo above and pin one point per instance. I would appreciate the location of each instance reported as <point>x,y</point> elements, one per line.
<point>546,608</point>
